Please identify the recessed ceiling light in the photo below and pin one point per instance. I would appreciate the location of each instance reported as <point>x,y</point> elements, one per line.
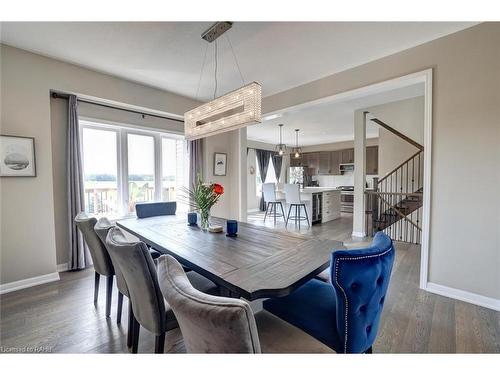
<point>272,117</point>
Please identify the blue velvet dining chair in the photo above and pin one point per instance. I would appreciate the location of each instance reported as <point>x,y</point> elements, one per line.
<point>345,313</point>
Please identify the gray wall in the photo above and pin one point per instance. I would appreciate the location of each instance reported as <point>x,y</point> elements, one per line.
<point>32,216</point>
<point>465,214</point>
<point>407,117</point>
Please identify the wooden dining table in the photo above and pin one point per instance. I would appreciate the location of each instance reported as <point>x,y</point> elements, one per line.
<point>259,263</point>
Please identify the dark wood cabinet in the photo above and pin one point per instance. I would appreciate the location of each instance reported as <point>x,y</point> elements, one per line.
<point>372,160</point>
<point>312,161</point>
<point>328,162</point>
<point>335,162</point>
<point>324,162</point>
<point>347,156</point>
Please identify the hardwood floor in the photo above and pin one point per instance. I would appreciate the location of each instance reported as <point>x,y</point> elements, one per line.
<point>61,316</point>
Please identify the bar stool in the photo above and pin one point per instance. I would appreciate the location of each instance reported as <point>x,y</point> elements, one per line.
<point>272,202</point>
<point>292,196</point>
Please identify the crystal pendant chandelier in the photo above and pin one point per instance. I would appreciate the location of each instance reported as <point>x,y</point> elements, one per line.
<point>296,151</point>
<point>281,147</point>
<point>234,110</point>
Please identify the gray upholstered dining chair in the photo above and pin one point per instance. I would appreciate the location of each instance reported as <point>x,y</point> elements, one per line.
<point>148,308</point>
<point>102,227</point>
<point>139,273</point>
<point>209,324</point>
<point>100,257</point>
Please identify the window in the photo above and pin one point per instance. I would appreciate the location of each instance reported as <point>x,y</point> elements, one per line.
<point>100,171</point>
<point>270,176</point>
<point>141,169</point>
<point>123,166</point>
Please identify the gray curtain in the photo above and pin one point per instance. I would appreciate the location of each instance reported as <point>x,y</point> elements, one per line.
<point>79,256</point>
<point>277,162</point>
<point>195,152</point>
<point>263,157</point>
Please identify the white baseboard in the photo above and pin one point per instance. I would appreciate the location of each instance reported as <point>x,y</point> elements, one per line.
<point>26,283</point>
<point>462,295</point>
<point>253,210</point>
<point>63,267</point>
<point>359,234</point>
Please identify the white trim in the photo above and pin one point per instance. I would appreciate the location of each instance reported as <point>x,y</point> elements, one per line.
<point>426,208</point>
<point>63,267</point>
<point>26,283</point>
<point>359,234</point>
<point>462,295</point>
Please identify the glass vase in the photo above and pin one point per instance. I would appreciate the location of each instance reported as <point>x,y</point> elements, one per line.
<point>204,219</point>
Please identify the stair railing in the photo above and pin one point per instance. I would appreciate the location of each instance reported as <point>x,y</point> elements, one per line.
<point>396,214</point>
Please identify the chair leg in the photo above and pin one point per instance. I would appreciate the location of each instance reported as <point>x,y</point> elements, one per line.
<point>160,344</point>
<point>135,335</point>
<point>274,206</point>
<point>267,209</point>
<point>96,287</point>
<point>288,217</point>
<point>130,332</point>
<point>369,350</point>
<point>282,212</point>
<point>109,294</point>
<point>119,308</point>
<point>307,217</point>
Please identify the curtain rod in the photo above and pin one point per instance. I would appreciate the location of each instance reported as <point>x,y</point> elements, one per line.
<point>57,95</point>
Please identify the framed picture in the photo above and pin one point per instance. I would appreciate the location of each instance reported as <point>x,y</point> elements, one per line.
<point>17,156</point>
<point>220,164</point>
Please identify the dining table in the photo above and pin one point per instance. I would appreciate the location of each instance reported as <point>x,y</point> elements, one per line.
<point>260,262</point>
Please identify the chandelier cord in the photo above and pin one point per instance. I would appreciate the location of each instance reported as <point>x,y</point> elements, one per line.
<point>215,72</point>
<point>235,59</point>
<point>201,72</point>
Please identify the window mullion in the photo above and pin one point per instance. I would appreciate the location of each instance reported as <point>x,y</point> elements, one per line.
<point>124,171</point>
<point>158,167</point>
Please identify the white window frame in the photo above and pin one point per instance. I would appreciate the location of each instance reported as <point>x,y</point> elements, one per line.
<point>122,131</point>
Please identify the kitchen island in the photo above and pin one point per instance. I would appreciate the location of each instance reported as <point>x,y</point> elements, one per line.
<point>322,203</point>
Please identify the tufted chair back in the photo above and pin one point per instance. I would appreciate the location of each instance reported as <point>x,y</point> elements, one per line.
<point>360,278</point>
<point>138,270</point>
<point>155,209</point>
<point>100,257</point>
<point>209,324</point>
<point>102,227</point>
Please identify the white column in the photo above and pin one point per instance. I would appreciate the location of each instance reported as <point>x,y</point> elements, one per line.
<point>242,175</point>
<point>358,225</point>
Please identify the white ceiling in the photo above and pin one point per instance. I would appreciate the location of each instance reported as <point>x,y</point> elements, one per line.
<point>169,55</point>
<point>327,122</point>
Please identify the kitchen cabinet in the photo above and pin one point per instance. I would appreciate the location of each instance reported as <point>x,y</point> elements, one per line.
<point>328,162</point>
<point>324,162</point>
<point>296,162</point>
<point>372,160</point>
<point>335,162</point>
<point>313,161</point>
<point>347,156</point>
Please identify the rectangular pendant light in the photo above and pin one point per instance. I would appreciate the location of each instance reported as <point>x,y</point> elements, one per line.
<point>234,110</point>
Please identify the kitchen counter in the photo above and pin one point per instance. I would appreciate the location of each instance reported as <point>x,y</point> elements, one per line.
<point>327,207</point>
<point>314,189</point>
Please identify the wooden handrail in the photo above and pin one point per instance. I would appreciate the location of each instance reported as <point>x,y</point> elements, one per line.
<point>399,166</point>
<point>399,134</point>
<point>385,193</point>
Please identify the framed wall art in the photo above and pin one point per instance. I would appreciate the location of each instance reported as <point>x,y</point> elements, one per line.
<point>220,164</point>
<point>17,156</point>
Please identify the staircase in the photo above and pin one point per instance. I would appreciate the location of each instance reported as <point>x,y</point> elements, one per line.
<point>394,205</point>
